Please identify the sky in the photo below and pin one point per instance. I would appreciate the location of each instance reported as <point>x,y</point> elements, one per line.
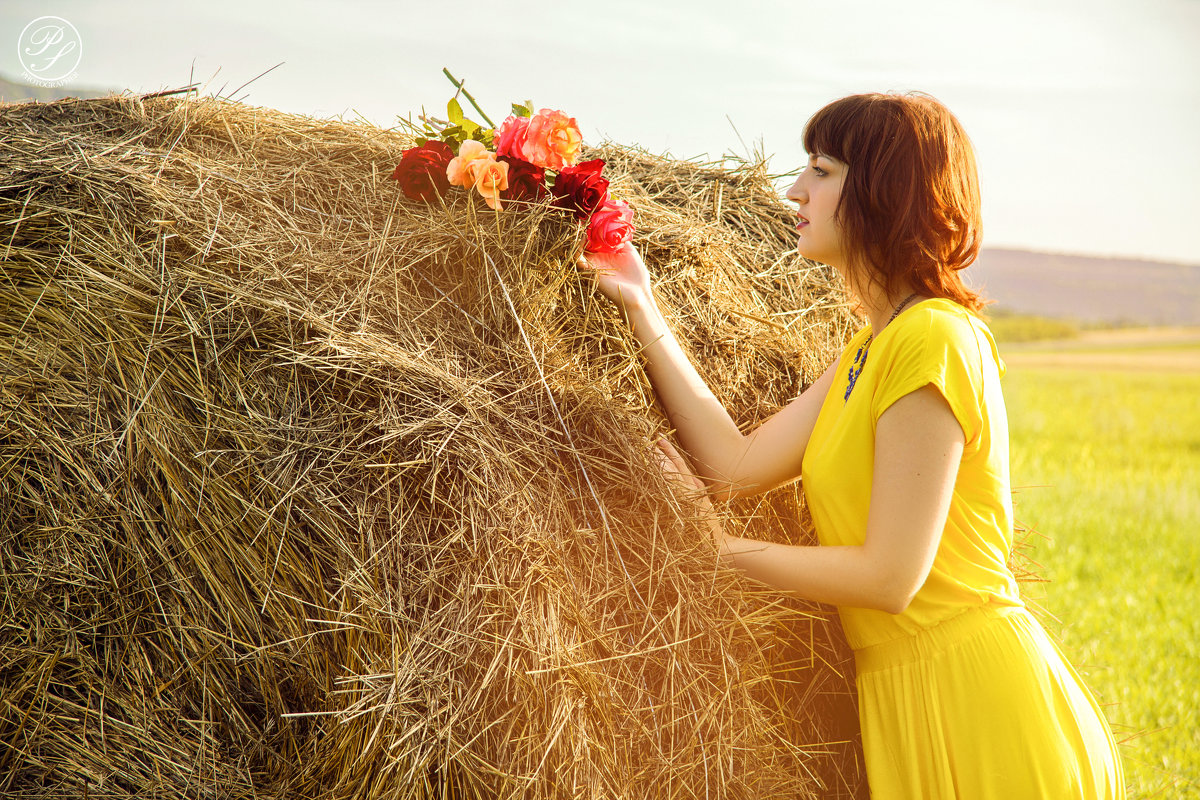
<point>1085,114</point>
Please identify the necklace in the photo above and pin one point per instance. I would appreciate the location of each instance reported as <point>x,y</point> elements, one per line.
<point>860,358</point>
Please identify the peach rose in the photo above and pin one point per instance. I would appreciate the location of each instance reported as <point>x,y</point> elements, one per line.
<point>491,178</point>
<point>552,139</point>
<point>461,169</point>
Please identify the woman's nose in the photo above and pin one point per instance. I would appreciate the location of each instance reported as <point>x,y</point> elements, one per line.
<point>796,193</point>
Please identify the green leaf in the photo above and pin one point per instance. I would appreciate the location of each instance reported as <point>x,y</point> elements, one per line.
<point>454,110</point>
<point>452,136</point>
<point>523,110</point>
<point>470,128</point>
<point>420,140</point>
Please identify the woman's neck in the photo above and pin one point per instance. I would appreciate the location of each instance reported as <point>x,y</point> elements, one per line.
<point>880,305</point>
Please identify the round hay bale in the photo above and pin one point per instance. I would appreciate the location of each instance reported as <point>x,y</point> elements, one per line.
<point>307,490</point>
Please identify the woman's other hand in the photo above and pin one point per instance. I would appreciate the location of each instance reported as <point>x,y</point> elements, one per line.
<point>677,470</point>
<point>621,276</point>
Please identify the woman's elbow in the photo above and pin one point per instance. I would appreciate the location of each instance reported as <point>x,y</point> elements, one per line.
<point>733,477</point>
<point>895,602</point>
<point>723,488</point>
<point>720,491</point>
<point>724,491</point>
<point>895,592</point>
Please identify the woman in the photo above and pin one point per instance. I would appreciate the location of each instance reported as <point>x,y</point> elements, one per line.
<point>902,449</point>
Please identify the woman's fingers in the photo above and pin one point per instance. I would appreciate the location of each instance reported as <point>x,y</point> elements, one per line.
<point>626,261</point>
<point>675,465</point>
<point>667,464</point>
<point>670,457</point>
<point>599,271</point>
<point>676,468</point>
<point>586,264</point>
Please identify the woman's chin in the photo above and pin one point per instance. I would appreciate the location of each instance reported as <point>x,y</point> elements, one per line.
<point>810,254</point>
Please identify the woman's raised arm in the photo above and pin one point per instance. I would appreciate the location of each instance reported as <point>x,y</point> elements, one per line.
<point>730,462</point>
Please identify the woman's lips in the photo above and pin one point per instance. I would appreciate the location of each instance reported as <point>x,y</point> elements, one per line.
<point>802,223</point>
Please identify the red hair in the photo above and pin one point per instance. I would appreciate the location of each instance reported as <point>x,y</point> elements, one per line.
<point>909,209</point>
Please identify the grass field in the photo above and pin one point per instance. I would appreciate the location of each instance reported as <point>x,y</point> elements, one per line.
<point>1106,460</point>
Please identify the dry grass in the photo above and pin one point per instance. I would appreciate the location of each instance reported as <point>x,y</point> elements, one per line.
<point>312,491</point>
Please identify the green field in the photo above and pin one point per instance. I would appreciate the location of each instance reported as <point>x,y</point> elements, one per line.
<point>1106,464</point>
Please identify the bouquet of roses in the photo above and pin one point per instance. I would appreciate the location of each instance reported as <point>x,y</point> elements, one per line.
<point>531,158</point>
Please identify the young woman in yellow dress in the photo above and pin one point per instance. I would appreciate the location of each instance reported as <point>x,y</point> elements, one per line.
<point>902,449</point>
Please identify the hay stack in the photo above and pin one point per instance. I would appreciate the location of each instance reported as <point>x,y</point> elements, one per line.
<point>312,491</point>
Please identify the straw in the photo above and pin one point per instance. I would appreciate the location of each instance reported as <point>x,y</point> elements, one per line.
<point>310,490</point>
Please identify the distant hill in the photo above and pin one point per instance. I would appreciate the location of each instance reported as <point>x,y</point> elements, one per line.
<point>14,91</point>
<point>1088,289</point>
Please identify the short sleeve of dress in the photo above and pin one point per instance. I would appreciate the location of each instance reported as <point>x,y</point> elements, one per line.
<point>932,346</point>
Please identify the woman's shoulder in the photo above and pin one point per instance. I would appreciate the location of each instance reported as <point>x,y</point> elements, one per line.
<point>942,343</point>
<point>943,316</point>
<point>941,329</point>
<point>939,321</point>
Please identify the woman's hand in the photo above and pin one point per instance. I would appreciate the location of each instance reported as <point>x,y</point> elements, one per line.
<point>622,277</point>
<point>677,470</point>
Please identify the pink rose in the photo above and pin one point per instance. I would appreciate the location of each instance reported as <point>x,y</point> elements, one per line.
<point>552,139</point>
<point>461,169</point>
<point>491,178</point>
<point>510,137</point>
<point>610,227</point>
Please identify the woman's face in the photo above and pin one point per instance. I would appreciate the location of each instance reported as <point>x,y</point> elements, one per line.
<point>817,191</point>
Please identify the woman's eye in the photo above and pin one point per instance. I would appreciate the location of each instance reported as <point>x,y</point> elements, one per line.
<point>820,173</point>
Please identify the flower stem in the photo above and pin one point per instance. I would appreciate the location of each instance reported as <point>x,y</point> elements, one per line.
<point>459,85</point>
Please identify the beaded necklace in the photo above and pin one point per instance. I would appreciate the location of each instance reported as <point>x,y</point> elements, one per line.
<point>860,358</point>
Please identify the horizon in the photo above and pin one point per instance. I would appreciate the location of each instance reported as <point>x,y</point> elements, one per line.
<point>985,248</point>
<point>1051,94</point>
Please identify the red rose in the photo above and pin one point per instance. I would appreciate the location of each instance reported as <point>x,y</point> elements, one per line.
<point>422,170</point>
<point>580,188</point>
<point>610,227</point>
<point>525,181</point>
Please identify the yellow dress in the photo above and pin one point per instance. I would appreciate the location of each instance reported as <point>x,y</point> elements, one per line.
<point>962,695</point>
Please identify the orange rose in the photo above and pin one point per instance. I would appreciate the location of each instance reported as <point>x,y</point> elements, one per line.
<point>491,178</point>
<point>461,169</point>
<point>552,139</point>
